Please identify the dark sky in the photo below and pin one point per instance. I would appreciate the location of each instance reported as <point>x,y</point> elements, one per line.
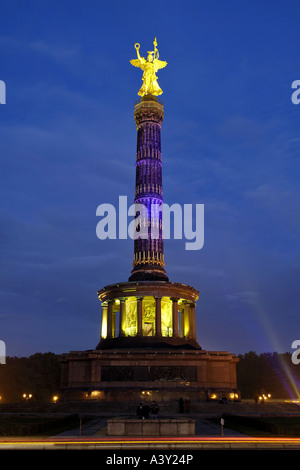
<point>230,141</point>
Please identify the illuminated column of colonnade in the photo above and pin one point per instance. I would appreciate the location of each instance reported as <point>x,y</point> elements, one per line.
<point>186,314</point>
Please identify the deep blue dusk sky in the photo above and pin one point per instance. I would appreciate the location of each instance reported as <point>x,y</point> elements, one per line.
<point>230,141</point>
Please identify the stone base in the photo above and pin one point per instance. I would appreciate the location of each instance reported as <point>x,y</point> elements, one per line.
<point>150,427</point>
<point>134,375</point>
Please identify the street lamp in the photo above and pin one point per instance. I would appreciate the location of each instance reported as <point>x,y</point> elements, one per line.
<point>27,396</point>
<point>264,398</point>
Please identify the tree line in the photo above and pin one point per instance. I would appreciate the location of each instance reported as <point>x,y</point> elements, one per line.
<point>39,375</point>
<point>272,373</point>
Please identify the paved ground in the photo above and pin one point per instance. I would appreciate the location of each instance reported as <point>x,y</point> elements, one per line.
<point>94,427</point>
<point>208,435</point>
<point>203,427</point>
<point>92,436</point>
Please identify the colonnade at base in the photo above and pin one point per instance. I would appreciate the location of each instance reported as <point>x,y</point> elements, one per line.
<point>148,316</point>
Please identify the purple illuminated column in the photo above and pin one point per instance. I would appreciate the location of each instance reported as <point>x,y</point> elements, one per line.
<point>148,262</point>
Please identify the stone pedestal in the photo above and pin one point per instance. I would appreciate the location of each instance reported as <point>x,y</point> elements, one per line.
<point>150,427</point>
<point>146,374</point>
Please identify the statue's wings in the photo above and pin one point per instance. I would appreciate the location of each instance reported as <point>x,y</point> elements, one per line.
<point>138,62</point>
<point>160,64</point>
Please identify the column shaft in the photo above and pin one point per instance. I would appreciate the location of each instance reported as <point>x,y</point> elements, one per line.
<point>140,316</point>
<point>175,317</point>
<point>109,319</point>
<point>158,316</point>
<point>122,317</point>
<point>187,321</point>
<point>114,322</point>
<point>104,321</point>
<point>193,321</point>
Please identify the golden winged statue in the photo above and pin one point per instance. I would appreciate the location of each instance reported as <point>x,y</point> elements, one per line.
<point>149,66</point>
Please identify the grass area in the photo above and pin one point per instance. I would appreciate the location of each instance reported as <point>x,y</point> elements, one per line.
<point>21,425</point>
<point>243,428</point>
<point>273,426</point>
